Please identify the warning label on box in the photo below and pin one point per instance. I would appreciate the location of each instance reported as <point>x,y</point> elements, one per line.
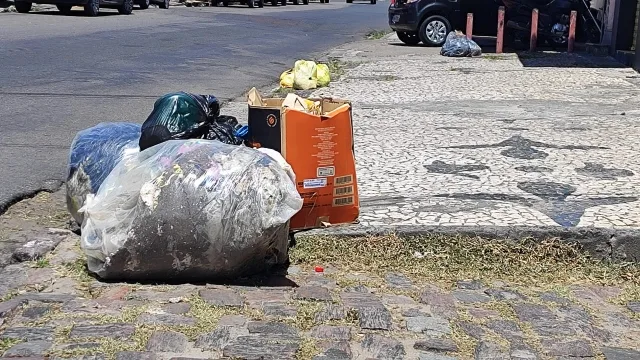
<point>314,183</point>
<point>326,171</point>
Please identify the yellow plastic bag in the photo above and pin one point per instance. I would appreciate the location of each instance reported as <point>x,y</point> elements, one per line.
<point>286,79</point>
<point>324,76</point>
<point>305,75</point>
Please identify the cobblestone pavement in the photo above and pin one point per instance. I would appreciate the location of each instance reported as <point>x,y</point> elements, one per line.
<point>495,141</point>
<point>51,307</point>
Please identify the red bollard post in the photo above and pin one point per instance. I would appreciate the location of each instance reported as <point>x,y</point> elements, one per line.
<point>533,41</point>
<point>469,26</point>
<point>500,36</point>
<point>572,31</point>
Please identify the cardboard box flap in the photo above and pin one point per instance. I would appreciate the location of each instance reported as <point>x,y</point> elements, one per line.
<point>329,114</point>
<point>254,98</point>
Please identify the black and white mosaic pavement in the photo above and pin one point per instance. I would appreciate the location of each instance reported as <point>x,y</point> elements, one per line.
<point>497,144</point>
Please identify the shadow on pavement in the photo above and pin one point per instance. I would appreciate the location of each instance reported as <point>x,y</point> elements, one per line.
<point>76,13</point>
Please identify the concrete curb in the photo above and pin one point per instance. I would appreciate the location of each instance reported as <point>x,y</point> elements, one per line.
<point>602,243</point>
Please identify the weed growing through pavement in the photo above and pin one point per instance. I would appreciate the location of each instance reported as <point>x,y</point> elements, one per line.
<point>5,344</point>
<point>377,34</point>
<point>446,259</point>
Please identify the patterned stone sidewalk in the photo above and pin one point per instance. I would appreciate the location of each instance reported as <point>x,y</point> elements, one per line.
<point>495,141</point>
<point>52,308</point>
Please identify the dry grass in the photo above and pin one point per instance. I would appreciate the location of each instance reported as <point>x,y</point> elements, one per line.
<point>5,344</point>
<point>547,264</point>
<point>308,349</point>
<point>377,34</point>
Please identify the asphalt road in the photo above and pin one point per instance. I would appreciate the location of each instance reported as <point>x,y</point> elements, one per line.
<point>60,74</point>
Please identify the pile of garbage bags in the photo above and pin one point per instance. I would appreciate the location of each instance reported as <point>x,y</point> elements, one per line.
<point>306,75</point>
<point>180,197</point>
<point>457,45</point>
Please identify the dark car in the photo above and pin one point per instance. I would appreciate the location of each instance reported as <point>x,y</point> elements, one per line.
<point>91,7</point>
<point>429,21</point>
<point>144,4</point>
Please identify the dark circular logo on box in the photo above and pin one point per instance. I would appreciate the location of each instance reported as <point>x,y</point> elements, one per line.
<point>271,120</point>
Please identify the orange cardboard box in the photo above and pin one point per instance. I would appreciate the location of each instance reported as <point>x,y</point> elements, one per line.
<point>319,148</point>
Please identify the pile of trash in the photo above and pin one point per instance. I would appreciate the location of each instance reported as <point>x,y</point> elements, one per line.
<point>180,197</point>
<point>306,75</point>
<point>457,45</point>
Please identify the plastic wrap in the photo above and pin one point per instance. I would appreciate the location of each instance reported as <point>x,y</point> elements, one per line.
<point>457,45</point>
<point>191,209</point>
<point>324,75</point>
<point>94,153</point>
<point>305,75</point>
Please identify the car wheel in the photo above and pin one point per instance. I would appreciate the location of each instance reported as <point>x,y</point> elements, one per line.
<point>92,7</point>
<point>23,7</point>
<point>283,2</point>
<point>251,3</point>
<point>144,4</point>
<point>225,3</point>
<point>295,2</point>
<point>408,37</point>
<point>373,2</point>
<point>433,31</point>
<point>260,3</point>
<point>165,4</point>
<point>126,8</point>
<point>64,8</point>
<point>349,1</point>
<point>274,2</point>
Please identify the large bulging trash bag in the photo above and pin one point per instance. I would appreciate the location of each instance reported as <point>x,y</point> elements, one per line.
<point>94,153</point>
<point>324,75</point>
<point>189,210</point>
<point>305,75</point>
<point>457,45</point>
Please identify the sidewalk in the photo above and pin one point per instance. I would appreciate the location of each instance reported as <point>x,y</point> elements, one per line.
<point>448,142</point>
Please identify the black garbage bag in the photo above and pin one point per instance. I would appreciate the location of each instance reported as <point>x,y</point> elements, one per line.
<point>182,115</point>
<point>94,153</point>
<point>188,210</point>
<point>457,45</point>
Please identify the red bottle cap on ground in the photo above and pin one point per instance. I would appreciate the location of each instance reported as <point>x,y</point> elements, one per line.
<point>319,269</point>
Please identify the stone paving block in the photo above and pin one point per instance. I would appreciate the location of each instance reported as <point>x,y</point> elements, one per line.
<point>612,353</point>
<point>165,319</point>
<point>177,309</point>
<point>634,307</point>
<point>254,348</point>
<point>436,345</point>
<point>220,337</point>
<point>431,326</point>
<point>167,341</point>
<point>36,312</point>
<point>442,303</point>
<point>375,318</point>
<point>490,351</point>
<point>27,349</point>
<point>134,355</point>
<point>279,310</point>
<point>336,333</point>
<point>434,356</point>
<point>271,328</point>
<point>36,248</point>
<point>502,294</point>
<point>318,293</point>
<point>533,312</point>
<point>383,348</point>
<point>399,281</point>
<point>554,298</point>
<point>469,297</point>
<point>233,320</point>
<point>567,348</point>
<point>333,350</point>
<point>473,330</point>
<point>114,331</point>
<point>221,297</point>
<point>29,333</point>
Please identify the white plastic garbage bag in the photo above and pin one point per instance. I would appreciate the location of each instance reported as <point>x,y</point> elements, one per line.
<point>190,209</point>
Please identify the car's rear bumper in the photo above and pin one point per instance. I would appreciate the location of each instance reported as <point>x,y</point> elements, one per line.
<point>404,18</point>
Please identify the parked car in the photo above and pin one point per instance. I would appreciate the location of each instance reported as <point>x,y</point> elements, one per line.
<point>144,4</point>
<point>249,3</point>
<point>373,2</point>
<point>429,21</point>
<point>91,7</point>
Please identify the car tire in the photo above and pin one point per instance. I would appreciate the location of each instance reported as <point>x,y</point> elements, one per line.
<point>434,30</point>
<point>408,37</point>
<point>92,8</point>
<point>283,2</point>
<point>349,1</point>
<point>64,9</point>
<point>23,7</point>
<point>373,2</point>
<point>165,4</point>
<point>274,2</point>
<point>144,4</point>
<point>260,3</point>
<point>126,8</point>
<point>295,2</point>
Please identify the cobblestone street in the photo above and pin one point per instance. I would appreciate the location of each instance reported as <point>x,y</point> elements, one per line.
<point>455,142</point>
